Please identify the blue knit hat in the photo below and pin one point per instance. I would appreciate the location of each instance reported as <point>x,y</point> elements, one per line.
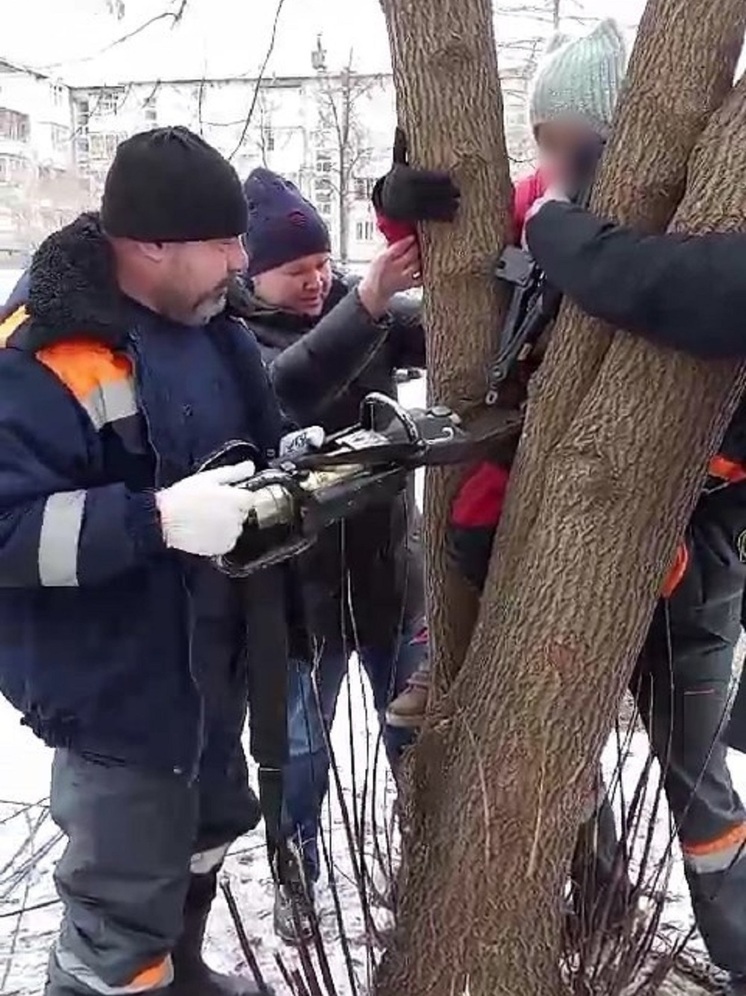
<point>580,79</point>
<point>283,225</point>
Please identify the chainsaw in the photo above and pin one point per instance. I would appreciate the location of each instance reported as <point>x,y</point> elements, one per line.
<point>319,480</point>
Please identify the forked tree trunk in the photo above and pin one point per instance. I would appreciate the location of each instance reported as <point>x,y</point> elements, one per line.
<point>681,69</point>
<point>449,103</point>
<point>506,759</point>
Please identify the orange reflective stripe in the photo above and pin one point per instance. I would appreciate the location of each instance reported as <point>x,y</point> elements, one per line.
<point>676,572</point>
<point>731,838</point>
<point>152,977</point>
<point>727,470</point>
<point>13,322</point>
<point>99,379</point>
<point>714,856</point>
<point>85,366</point>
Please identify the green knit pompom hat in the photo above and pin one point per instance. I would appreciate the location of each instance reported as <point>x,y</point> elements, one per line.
<point>580,79</point>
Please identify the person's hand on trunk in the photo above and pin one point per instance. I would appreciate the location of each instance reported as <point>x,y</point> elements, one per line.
<point>406,195</point>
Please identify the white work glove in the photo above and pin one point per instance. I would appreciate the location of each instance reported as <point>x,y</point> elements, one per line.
<point>202,514</point>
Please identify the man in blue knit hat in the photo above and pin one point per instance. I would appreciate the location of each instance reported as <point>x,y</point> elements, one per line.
<point>327,344</point>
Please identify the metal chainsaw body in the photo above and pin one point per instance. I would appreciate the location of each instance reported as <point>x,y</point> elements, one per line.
<point>298,497</point>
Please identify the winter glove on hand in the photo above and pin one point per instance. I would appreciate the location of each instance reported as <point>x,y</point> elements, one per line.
<point>407,195</point>
<point>203,514</point>
<point>475,515</point>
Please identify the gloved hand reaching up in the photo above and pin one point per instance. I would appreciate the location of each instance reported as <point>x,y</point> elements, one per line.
<point>407,195</point>
<point>203,514</point>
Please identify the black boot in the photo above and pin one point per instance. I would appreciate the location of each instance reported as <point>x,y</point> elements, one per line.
<point>295,919</point>
<point>294,913</point>
<point>191,976</point>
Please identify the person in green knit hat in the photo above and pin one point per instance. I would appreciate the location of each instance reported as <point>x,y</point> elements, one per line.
<point>571,105</point>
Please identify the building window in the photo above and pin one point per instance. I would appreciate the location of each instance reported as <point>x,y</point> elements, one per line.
<point>12,169</point>
<point>365,231</point>
<point>59,92</point>
<point>104,145</point>
<point>364,188</point>
<point>151,111</point>
<point>60,137</point>
<point>107,103</point>
<point>268,139</point>
<point>322,188</point>
<point>82,114</point>
<point>323,162</point>
<point>14,126</point>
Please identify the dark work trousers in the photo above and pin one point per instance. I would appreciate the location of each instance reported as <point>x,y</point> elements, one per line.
<point>312,702</point>
<point>136,840</point>
<point>736,732</point>
<point>681,685</point>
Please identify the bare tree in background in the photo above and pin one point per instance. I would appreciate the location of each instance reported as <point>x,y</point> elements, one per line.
<point>266,137</point>
<point>341,133</point>
<point>523,29</point>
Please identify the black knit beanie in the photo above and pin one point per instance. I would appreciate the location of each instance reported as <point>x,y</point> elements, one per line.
<point>169,185</point>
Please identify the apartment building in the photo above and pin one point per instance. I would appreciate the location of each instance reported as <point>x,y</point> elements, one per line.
<point>40,187</point>
<point>331,133</point>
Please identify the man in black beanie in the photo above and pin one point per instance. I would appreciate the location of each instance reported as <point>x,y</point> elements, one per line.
<point>122,646</point>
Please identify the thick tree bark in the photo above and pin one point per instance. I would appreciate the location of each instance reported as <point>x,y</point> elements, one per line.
<point>681,69</point>
<point>609,478</point>
<point>449,103</point>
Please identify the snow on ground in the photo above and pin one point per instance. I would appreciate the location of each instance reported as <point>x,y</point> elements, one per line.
<point>29,848</point>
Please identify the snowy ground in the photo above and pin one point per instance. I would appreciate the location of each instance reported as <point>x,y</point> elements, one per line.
<point>29,846</point>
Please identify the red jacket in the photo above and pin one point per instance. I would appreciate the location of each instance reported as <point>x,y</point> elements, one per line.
<point>529,189</point>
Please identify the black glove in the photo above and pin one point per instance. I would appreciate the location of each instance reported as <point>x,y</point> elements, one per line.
<point>409,194</point>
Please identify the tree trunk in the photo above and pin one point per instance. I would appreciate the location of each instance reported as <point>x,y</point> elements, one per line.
<point>345,155</point>
<point>344,222</point>
<point>343,204</point>
<point>615,452</point>
<point>681,69</point>
<point>450,106</point>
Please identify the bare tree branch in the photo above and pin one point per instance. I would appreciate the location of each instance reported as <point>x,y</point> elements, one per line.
<point>260,78</point>
<point>174,16</point>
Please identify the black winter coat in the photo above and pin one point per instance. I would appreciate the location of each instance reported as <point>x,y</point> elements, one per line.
<point>687,292</point>
<point>683,291</point>
<point>321,370</point>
